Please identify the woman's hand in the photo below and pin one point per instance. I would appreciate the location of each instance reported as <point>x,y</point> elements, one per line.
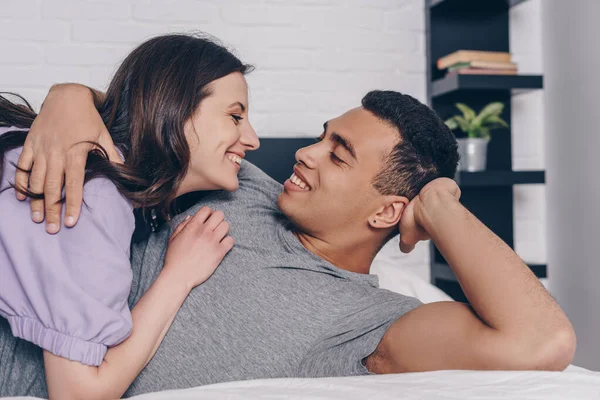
<point>197,246</point>
<point>195,250</point>
<point>56,152</point>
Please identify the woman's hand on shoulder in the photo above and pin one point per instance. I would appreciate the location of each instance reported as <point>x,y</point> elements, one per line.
<point>198,245</point>
<point>56,152</point>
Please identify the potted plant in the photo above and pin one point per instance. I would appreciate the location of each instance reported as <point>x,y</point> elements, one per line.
<point>473,148</point>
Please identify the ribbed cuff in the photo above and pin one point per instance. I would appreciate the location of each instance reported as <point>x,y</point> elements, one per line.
<point>57,343</point>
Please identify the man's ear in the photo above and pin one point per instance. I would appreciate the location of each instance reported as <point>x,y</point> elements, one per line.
<point>389,213</point>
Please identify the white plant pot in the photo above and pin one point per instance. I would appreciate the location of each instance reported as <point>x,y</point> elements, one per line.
<point>473,154</point>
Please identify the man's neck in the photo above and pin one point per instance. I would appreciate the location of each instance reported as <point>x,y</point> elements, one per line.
<point>353,258</point>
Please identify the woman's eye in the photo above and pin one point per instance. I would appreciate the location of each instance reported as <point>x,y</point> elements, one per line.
<point>236,118</point>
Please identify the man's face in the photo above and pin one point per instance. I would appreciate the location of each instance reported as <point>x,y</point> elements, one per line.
<point>331,189</point>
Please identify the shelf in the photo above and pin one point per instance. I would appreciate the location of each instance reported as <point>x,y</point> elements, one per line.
<point>505,3</point>
<point>514,83</point>
<point>443,271</point>
<point>499,178</point>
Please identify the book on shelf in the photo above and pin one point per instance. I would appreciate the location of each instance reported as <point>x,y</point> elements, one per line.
<point>481,71</point>
<point>483,64</point>
<point>467,56</point>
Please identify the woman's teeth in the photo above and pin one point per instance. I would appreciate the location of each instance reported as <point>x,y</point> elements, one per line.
<point>299,182</point>
<point>235,159</point>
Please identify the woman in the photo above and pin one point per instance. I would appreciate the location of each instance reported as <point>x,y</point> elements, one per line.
<point>176,111</point>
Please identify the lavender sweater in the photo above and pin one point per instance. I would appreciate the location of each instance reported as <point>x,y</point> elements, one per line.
<point>67,293</point>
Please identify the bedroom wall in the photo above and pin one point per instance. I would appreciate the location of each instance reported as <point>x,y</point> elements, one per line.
<point>315,59</point>
<point>572,141</point>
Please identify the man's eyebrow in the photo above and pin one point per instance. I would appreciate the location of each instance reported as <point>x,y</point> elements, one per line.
<point>342,141</point>
<point>237,103</point>
<point>345,143</point>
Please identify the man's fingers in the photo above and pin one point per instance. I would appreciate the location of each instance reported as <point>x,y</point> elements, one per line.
<point>74,177</point>
<point>406,247</point>
<point>53,185</point>
<point>22,178</point>
<point>36,185</point>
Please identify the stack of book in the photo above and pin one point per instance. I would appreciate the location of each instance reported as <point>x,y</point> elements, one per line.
<point>472,62</point>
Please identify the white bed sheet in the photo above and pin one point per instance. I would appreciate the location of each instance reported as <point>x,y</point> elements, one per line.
<point>575,383</point>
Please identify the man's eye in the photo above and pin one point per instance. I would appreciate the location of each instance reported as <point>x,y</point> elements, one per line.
<point>236,118</point>
<point>335,158</point>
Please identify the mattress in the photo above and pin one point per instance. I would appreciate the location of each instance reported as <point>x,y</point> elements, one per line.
<point>574,383</point>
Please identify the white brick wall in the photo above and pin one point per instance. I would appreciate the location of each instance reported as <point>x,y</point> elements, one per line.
<point>314,58</point>
<point>528,133</point>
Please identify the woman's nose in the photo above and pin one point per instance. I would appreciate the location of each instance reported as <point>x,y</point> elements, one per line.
<point>249,138</point>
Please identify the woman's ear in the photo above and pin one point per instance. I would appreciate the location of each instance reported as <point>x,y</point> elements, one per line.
<point>390,212</point>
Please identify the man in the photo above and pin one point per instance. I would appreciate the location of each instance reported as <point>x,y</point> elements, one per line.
<point>294,298</point>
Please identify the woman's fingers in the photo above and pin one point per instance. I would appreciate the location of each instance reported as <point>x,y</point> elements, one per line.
<point>53,193</point>
<point>74,179</point>
<point>24,164</point>
<point>180,227</point>
<point>36,185</point>
<point>227,245</point>
<point>215,219</point>
<point>221,230</point>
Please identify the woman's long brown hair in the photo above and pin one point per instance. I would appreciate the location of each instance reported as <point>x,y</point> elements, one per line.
<point>154,92</point>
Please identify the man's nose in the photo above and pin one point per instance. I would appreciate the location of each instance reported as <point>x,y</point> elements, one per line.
<point>308,156</point>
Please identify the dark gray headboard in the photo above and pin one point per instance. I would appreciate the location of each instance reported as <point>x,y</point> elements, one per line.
<point>276,156</point>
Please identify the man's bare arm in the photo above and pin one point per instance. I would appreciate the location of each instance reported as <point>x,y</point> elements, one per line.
<point>514,323</point>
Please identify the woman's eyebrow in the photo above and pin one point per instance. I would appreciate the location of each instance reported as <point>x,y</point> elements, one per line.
<point>239,104</point>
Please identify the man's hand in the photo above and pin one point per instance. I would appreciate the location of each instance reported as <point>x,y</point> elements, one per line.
<point>56,152</point>
<point>413,222</point>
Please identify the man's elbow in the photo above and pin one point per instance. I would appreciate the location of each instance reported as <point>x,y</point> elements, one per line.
<point>557,351</point>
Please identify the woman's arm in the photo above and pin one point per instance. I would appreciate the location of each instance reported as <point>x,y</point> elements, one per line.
<point>152,316</point>
<point>56,152</point>
<point>195,249</point>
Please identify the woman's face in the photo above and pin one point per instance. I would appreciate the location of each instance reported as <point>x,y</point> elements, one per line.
<point>219,134</point>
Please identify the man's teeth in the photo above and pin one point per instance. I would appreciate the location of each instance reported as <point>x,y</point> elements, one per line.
<point>234,158</point>
<point>299,182</point>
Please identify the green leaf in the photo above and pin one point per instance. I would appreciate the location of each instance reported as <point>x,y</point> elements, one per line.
<point>485,133</point>
<point>451,123</point>
<point>467,111</point>
<point>494,121</point>
<point>462,123</point>
<point>491,109</point>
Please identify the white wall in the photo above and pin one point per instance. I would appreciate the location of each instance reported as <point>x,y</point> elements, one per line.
<point>528,134</point>
<point>314,58</point>
<point>571,62</point>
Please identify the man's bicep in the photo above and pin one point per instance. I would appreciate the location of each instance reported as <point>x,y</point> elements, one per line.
<point>442,335</point>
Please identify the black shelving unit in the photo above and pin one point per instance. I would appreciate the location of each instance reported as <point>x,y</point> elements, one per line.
<point>477,25</point>
<point>514,83</point>
<point>499,6</point>
<point>499,178</point>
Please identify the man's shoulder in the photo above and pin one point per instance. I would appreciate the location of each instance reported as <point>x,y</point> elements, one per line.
<point>252,177</point>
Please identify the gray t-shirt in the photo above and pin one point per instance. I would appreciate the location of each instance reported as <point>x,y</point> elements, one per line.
<point>272,308</point>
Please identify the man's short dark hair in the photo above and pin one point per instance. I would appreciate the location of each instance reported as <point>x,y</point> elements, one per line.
<point>426,148</point>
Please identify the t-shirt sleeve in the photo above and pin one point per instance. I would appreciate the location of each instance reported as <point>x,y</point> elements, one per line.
<point>67,293</point>
<point>355,334</point>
